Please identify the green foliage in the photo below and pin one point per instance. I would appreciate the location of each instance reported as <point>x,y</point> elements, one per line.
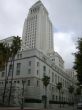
<point>46,80</point>
<point>16,45</point>
<point>71,89</point>
<point>4,54</point>
<point>78,60</point>
<point>59,86</point>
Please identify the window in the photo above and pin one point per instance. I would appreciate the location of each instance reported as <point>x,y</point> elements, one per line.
<point>37,83</point>
<point>58,78</point>
<point>18,81</point>
<point>29,63</point>
<point>36,16</point>
<point>31,11</point>
<point>3,74</point>
<point>37,64</point>
<point>18,72</point>
<point>52,77</point>
<point>56,98</point>
<point>52,88</point>
<point>9,81</point>
<point>29,71</point>
<point>44,68</point>
<point>14,81</point>
<point>10,70</point>
<point>37,72</point>
<point>18,68</point>
<point>52,97</point>
<point>49,71</point>
<point>20,55</point>
<point>28,82</point>
<point>63,82</point>
<point>18,65</point>
<point>55,78</point>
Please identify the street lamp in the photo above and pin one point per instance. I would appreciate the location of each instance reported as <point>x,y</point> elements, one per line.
<point>22,105</point>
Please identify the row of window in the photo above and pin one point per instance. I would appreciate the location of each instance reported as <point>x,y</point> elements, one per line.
<point>19,55</point>
<point>54,77</point>
<point>28,82</point>
<point>34,10</point>
<point>56,98</point>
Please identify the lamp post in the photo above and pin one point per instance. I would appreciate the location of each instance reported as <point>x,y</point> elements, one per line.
<point>22,104</point>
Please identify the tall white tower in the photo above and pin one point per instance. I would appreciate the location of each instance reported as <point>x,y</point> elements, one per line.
<point>37,31</point>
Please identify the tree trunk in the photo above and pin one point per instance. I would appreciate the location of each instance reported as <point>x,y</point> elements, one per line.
<point>10,92</point>
<point>45,102</point>
<point>22,105</point>
<point>5,83</point>
<point>59,99</point>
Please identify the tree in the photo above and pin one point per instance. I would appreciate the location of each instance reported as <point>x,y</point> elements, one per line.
<point>78,60</point>
<point>7,56</point>
<point>4,58</point>
<point>71,90</point>
<point>15,47</point>
<point>46,80</point>
<point>78,93</point>
<point>59,87</point>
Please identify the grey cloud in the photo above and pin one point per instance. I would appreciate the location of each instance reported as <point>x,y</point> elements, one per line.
<point>65,15</point>
<point>64,45</point>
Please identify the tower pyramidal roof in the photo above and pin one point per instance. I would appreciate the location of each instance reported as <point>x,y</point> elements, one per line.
<point>38,4</point>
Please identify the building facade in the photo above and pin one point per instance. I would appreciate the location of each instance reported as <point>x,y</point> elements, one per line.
<point>8,40</point>
<point>30,66</point>
<point>36,59</point>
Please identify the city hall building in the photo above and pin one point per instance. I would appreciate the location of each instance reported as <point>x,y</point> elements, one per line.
<point>36,59</point>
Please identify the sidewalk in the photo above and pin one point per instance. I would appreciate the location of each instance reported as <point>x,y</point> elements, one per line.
<point>65,108</point>
<point>26,108</point>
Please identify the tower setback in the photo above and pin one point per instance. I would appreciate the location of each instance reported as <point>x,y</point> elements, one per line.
<point>37,31</point>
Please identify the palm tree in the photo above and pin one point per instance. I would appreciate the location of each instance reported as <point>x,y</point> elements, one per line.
<point>71,90</point>
<point>7,56</point>
<point>46,80</point>
<point>15,47</point>
<point>59,87</point>
<point>4,58</point>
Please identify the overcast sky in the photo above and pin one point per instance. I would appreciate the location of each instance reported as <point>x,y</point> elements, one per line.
<point>66,16</point>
